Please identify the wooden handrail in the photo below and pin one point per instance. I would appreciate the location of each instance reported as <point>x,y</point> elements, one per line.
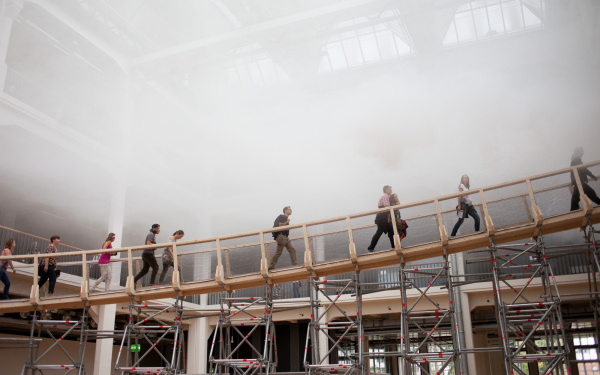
<point>223,264</point>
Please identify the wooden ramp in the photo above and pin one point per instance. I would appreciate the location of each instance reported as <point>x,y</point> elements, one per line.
<point>519,205</point>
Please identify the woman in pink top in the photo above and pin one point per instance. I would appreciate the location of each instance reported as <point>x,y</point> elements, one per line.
<point>10,244</point>
<point>103,263</point>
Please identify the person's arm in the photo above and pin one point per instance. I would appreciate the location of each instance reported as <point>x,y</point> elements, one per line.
<point>10,263</point>
<point>148,242</point>
<point>588,173</point>
<point>105,245</point>
<point>170,250</point>
<point>285,223</point>
<point>459,198</point>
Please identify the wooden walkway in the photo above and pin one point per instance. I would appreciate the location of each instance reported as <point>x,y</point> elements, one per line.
<point>534,199</point>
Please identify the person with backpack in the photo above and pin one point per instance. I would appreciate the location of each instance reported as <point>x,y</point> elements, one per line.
<point>167,257</point>
<point>282,238</point>
<point>148,257</point>
<point>383,220</point>
<point>465,206</point>
<point>104,264</point>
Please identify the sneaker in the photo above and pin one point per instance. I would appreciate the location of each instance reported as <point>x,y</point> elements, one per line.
<point>370,250</point>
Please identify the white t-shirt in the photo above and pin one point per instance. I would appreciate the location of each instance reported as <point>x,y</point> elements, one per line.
<point>465,197</point>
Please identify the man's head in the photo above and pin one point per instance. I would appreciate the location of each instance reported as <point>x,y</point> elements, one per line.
<point>387,189</point>
<point>287,210</point>
<point>578,152</point>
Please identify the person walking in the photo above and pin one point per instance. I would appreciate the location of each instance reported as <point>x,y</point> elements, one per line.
<point>383,220</point>
<point>8,247</point>
<point>465,206</point>
<point>167,257</point>
<point>282,238</point>
<point>584,173</point>
<point>104,264</point>
<point>48,266</point>
<point>148,257</point>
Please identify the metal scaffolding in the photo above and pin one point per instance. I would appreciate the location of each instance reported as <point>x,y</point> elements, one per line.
<point>532,333</point>
<point>335,331</point>
<point>233,348</point>
<point>45,326</point>
<point>146,327</point>
<point>426,327</point>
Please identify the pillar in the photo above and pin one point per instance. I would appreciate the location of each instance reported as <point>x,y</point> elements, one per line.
<point>197,345</point>
<point>103,361</point>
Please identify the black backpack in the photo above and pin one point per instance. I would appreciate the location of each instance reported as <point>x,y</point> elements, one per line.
<point>276,225</point>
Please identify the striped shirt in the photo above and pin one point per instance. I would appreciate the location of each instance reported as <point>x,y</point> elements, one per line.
<point>384,201</point>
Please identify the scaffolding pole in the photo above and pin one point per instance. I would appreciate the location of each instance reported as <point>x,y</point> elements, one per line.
<point>424,323</point>
<point>593,256</point>
<point>335,331</point>
<point>532,333</point>
<point>244,357</point>
<point>145,325</point>
<point>74,365</point>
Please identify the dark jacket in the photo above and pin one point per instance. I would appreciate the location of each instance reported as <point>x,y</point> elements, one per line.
<point>583,172</point>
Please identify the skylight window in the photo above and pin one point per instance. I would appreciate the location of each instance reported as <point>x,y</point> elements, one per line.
<point>487,19</point>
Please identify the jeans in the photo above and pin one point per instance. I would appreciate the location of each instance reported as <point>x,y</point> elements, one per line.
<point>106,275</point>
<point>283,241</point>
<point>380,231</point>
<point>6,281</point>
<point>166,266</point>
<point>149,261</point>
<point>468,210</point>
<point>48,275</point>
<point>588,191</point>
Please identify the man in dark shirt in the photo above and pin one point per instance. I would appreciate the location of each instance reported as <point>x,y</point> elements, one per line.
<point>148,257</point>
<point>583,176</point>
<point>282,238</point>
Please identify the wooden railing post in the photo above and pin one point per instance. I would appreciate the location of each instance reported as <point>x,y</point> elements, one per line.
<point>34,296</point>
<point>219,278</point>
<point>129,284</point>
<point>263,256</point>
<point>85,279</point>
<point>486,215</point>
<point>175,283</point>
<point>308,259</point>
<point>352,246</point>
<point>441,227</point>
<point>538,218</point>
<point>397,245</point>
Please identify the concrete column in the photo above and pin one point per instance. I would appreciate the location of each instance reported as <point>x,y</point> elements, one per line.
<point>467,326</point>
<point>9,10</point>
<point>197,348</point>
<point>103,361</point>
<point>464,315</point>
